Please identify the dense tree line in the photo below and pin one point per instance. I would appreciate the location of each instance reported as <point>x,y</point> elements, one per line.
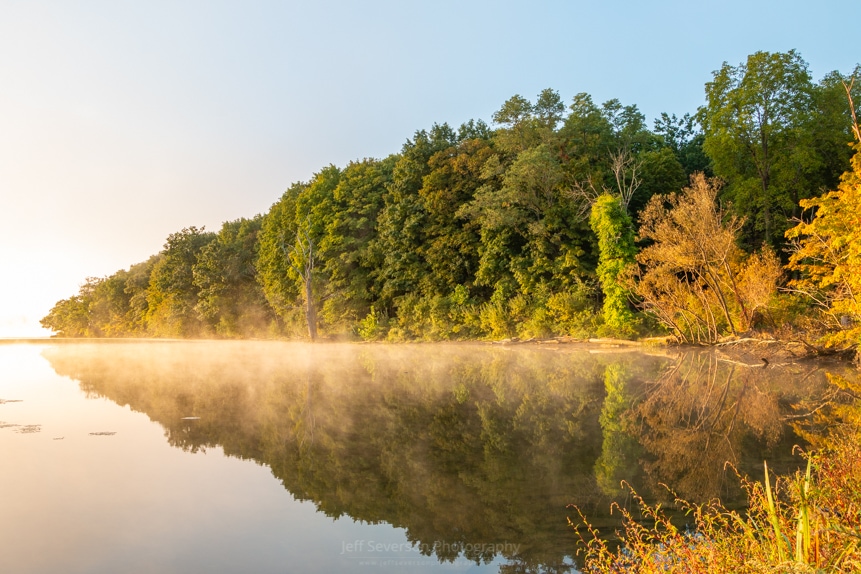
<point>545,222</point>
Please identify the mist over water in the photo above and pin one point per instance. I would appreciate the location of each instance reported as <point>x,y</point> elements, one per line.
<point>457,455</point>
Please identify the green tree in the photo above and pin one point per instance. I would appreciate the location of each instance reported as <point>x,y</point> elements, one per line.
<point>105,307</point>
<point>69,317</point>
<point>832,129</point>
<point>684,138</point>
<point>588,139</point>
<point>452,248</point>
<point>659,172</point>
<point>346,246</point>
<point>524,125</point>
<point>757,123</point>
<point>230,299</point>
<point>399,250</point>
<point>171,294</point>
<point>607,149</point>
<point>616,253</point>
<point>531,232</point>
<point>291,263</point>
<point>109,306</point>
<point>136,288</point>
<point>274,270</point>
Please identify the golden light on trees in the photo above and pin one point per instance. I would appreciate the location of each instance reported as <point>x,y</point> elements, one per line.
<point>827,253</point>
<point>696,280</point>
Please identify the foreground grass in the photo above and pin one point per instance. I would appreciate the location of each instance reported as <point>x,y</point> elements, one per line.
<point>808,522</point>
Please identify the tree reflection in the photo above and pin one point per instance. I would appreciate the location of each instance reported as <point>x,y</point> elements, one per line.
<point>620,449</point>
<point>468,448</point>
<point>704,412</point>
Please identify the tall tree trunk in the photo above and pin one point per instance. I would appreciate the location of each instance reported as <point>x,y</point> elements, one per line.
<point>310,310</point>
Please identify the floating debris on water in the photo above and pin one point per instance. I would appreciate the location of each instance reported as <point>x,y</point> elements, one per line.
<point>4,401</point>
<point>27,429</point>
<point>103,433</point>
<point>59,437</point>
<point>190,419</point>
<point>4,425</point>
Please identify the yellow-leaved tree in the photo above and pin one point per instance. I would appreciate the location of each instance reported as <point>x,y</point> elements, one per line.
<point>827,253</point>
<point>694,278</point>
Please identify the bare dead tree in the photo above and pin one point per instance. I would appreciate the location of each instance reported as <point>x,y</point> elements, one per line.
<point>301,256</point>
<point>626,171</point>
<point>585,193</point>
<point>848,87</point>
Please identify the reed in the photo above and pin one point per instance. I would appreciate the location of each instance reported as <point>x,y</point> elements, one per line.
<point>806,522</point>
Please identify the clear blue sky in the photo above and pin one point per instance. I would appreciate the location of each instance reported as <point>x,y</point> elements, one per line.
<point>122,122</point>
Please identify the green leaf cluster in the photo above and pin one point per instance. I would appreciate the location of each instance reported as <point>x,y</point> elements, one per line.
<point>616,254</point>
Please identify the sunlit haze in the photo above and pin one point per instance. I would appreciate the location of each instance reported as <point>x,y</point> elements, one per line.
<point>121,123</point>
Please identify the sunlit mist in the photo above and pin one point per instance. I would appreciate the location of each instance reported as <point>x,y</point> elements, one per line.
<point>243,454</point>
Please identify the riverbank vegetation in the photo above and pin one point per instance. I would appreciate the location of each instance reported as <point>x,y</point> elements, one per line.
<point>556,219</point>
<point>806,522</point>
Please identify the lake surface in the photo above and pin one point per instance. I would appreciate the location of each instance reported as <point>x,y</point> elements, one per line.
<point>277,457</point>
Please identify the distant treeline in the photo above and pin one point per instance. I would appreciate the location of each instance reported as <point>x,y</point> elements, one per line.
<point>549,221</point>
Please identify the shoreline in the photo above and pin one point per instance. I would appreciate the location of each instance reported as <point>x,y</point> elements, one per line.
<point>746,352</point>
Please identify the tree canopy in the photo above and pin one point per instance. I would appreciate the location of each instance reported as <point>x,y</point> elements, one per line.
<point>525,227</point>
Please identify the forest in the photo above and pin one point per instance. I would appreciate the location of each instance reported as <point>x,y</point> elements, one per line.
<point>555,219</point>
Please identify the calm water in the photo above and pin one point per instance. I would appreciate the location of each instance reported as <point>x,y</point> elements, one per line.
<point>274,457</point>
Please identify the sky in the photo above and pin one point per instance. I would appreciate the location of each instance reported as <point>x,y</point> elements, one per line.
<point>122,122</point>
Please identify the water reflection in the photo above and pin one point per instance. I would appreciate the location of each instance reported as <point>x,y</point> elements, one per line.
<point>474,450</point>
